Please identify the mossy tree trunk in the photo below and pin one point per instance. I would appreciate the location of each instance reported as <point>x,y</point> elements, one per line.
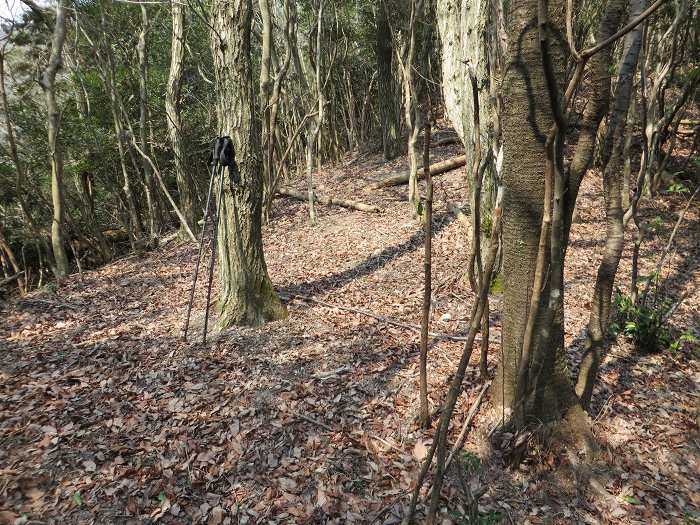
<point>246,296</point>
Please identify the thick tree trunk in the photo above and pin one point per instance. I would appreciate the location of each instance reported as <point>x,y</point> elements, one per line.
<point>471,36</point>
<point>464,36</point>
<point>246,295</point>
<point>386,87</point>
<point>527,119</point>
<point>48,83</point>
<point>185,185</point>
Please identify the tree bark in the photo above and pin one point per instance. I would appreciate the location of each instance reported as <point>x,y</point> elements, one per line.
<point>154,217</point>
<point>386,87</point>
<point>185,184</point>
<point>48,84</point>
<point>424,414</point>
<point>612,155</point>
<point>527,119</point>
<point>246,295</point>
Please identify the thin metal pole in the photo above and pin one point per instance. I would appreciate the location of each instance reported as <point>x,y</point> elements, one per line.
<point>217,215</point>
<point>201,246</point>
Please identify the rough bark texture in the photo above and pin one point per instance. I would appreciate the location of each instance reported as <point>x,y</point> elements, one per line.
<point>246,293</point>
<point>463,31</point>
<point>48,83</point>
<point>527,119</point>
<point>185,185</point>
<point>386,88</point>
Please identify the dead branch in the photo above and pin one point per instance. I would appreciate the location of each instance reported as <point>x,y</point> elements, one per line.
<point>353,205</point>
<point>383,319</point>
<point>465,426</point>
<point>435,169</point>
<point>440,441</point>
<point>11,279</point>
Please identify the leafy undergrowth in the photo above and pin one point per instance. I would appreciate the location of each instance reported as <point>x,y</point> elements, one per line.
<point>106,416</point>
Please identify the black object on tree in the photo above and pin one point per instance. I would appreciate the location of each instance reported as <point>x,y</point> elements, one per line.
<point>223,155</point>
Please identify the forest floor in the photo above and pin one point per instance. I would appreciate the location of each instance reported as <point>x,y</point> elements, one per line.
<point>107,416</point>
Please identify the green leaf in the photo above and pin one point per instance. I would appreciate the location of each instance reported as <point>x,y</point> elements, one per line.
<point>631,500</point>
<point>77,498</point>
<point>161,497</point>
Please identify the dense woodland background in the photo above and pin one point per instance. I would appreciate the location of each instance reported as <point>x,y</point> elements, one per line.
<point>456,262</point>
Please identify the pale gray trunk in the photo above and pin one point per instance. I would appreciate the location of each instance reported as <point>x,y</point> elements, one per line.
<point>154,219</point>
<point>185,184</point>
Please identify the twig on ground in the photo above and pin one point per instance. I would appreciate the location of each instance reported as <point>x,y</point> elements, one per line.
<point>414,328</point>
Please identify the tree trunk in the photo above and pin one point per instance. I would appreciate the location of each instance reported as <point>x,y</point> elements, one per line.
<point>435,169</point>
<point>464,36</point>
<point>612,155</point>
<point>424,413</point>
<point>343,203</point>
<point>48,83</point>
<point>527,119</point>
<point>185,185</point>
<point>155,223</point>
<point>386,88</point>
<point>246,295</point>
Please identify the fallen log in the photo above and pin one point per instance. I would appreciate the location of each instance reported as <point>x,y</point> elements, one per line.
<point>452,139</point>
<point>353,205</point>
<point>435,169</point>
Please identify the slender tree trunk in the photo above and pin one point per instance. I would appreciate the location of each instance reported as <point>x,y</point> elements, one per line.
<point>154,217</point>
<point>386,87</point>
<point>48,83</point>
<point>612,155</point>
<point>596,108</point>
<point>116,107</point>
<point>413,114</point>
<point>19,167</point>
<point>246,294</point>
<point>185,184</point>
<point>427,271</point>
<point>265,83</point>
